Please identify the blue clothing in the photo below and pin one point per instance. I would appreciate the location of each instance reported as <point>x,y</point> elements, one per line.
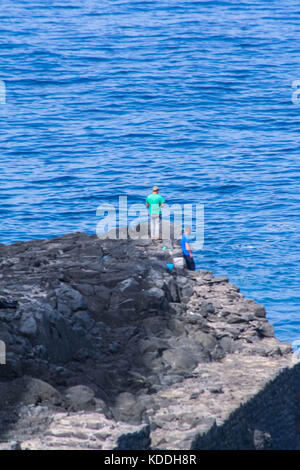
<point>190,263</point>
<point>185,240</point>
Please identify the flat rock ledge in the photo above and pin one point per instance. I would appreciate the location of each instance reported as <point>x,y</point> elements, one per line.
<point>113,344</point>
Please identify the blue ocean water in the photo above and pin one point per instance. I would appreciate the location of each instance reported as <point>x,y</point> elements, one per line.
<point>106,98</point>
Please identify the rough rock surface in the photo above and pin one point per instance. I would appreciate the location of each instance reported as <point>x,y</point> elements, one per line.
<point>107,348</point>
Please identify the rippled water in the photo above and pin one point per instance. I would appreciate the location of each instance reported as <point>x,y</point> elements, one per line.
<point>106,98</point>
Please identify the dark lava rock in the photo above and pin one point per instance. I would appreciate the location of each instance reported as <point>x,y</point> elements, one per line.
<point>101,324</point>
<point>80,397</point>
<point>127,408</point>
<point>28,390</point>
<point>262,440</point>
<point>8,303</point>
<point>181,359</point>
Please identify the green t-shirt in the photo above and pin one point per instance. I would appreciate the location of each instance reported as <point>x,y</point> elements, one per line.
<point>155,201</point>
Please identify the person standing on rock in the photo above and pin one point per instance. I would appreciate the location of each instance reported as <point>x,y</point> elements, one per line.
<point>186,249</point>
<point>155,202</point>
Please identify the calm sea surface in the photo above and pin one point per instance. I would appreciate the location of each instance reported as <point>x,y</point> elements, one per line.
<point>106,98</point>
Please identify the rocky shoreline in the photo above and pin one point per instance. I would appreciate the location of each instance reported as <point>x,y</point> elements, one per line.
<point>109,348</point>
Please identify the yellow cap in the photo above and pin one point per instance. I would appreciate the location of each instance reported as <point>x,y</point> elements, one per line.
<point>155,188</point>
